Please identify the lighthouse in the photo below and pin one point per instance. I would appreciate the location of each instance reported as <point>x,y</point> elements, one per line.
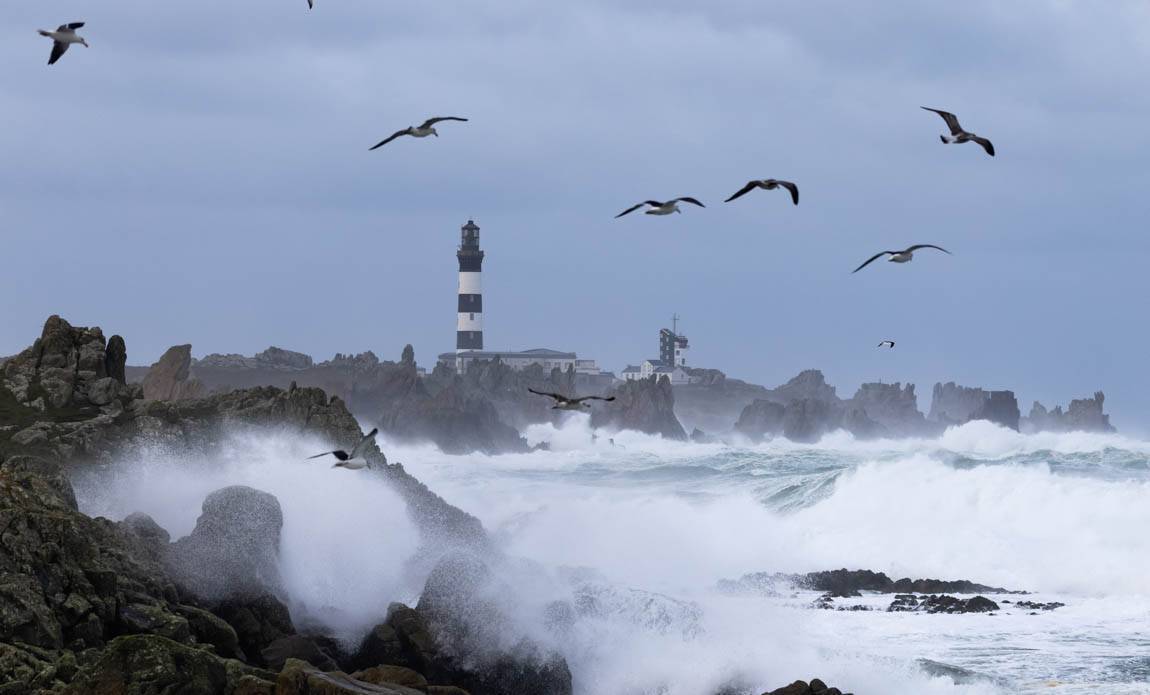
<point>469,326</point>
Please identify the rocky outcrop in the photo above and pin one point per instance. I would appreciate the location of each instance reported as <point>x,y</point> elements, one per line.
<point>712,401</point>
<point>952,404</point>
<point>805,420</point>
<point>1001,407</point>
<point>844,583</point>
<point>644,405</point>
<point>57,374</point>
<point>815,687</point>
<point>456,421</point>
<point>1083,415</point>
<point>761,419</point>
<point>894,408</point>
<point>234,550</point>
<point>907,603</point>
<point>167,379</point>
<point>67,579</point>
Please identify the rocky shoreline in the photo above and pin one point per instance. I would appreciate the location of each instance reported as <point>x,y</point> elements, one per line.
<point>487,408</point>
<point>93,606</point>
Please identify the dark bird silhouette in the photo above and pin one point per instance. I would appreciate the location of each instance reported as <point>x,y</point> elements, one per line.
<point>957,134</point>
<point>767,185</point>
<point>570,403</point>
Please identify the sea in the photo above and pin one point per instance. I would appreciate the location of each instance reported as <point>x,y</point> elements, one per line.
<point>615,548</point>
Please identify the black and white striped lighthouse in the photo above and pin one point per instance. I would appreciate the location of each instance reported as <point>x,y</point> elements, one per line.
<point>469,328</point>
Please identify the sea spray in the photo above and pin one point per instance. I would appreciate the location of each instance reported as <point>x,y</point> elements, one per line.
<point>346,535</point>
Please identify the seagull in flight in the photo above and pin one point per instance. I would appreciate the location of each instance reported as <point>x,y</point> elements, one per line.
<point>352,461</point>
<point>767,185</point>
<point>886,344</point>
<point>63,37</point>
<point>658,208</point>
<point>420,131</point>
<point>957,134</point>
<point>904,256</point>
<point>564,403</point>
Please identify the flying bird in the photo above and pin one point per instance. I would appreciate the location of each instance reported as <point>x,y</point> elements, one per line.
<point>957,134</point>
<point>352,461</point>
<point>767,185</point>
<point>658,208</point>
<point>886,344</point>
<point>63,37</point>
<point>564,403</point>
<point>420,131</point>
<point>311,4</point>
<point>904,256</point>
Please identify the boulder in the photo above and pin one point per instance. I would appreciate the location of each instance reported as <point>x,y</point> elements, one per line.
<point>104,391</point>
<point>761,419</point>
<point>300,678</point>
<point>403,639</point>
<point>277,653</point>
<point>149,538</point>
<point>257,623</point>
<point>393,675</point>
<point>644,405</point>
<point>935,603</point>
<point>57,371</point>
<point>234,549</point>
<point>154,665</point>
<point>167,379</point>
<point>116,359</point>
<point>208,628</point>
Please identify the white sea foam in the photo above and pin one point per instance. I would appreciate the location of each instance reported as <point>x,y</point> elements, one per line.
<point>346,534</point>
<point>648,515</point>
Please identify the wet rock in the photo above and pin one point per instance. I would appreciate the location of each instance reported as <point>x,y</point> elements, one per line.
<point>234,549</point>
<point>151,664</point>
<point>815,687</point>
<point>152,620</point>
<point>1083,415</point>
<point>393,675</point>
<point>643,405</point>
<point>1035,606</point>
<point>300,678</point>
<point>151,540</point>
<point>935,603</point>
<point>403,639</point>
<point>761,419</point>
<point>952,404</point>
<point>276,654</point>
<point>208,628</point>
<point>63,575</point>
<point>257,622</point>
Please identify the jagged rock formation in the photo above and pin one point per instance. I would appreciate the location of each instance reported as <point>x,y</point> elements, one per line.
<point>453,418</point>
<point>809,384</point>
<point>59,372</point>
<point>895,409</point>
<point>952,404</point>
<point>1083,415</point>
<point>713,401</point>
<point>82,433</point>
<point>761,419</point>
<point>88,605</point>
<point>167,379</point>
<point>644,405</point>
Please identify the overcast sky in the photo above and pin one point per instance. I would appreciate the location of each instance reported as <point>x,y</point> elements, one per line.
<point>201,174</point>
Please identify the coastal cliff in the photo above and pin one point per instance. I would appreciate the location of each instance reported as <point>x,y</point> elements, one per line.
<point>1083,415</point>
